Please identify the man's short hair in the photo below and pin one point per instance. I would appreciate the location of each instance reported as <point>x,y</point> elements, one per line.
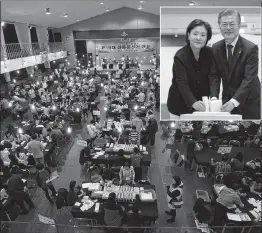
<point>228,12</point>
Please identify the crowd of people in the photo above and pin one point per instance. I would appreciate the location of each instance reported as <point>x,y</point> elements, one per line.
<point>45,111</point>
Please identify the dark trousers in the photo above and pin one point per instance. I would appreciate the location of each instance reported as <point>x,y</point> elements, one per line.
<point>20,197</point>
<point>138,172</point>
<point>220,213</point>
<point>85,112</point>
<point>52,188</point>
<point>151,138</point>
<point>173,213</point>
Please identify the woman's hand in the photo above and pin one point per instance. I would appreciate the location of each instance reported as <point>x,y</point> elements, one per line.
<point>199,106</point>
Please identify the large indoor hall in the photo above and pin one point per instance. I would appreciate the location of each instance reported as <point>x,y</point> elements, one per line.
<point>82,146</point>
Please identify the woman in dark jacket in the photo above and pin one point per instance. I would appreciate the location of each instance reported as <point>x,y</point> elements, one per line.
<point>191,69</point>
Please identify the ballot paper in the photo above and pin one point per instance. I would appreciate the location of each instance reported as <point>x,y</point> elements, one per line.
<point>234,217</point>
<point>97,207</point>
<point>77,204</point>
<point>86,206</point>
<point>215,105</point>
<point>206,102</point>
<point>54,175</point>
<point>85,185</point>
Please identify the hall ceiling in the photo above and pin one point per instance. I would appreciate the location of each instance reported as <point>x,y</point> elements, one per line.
<point>33,12</point>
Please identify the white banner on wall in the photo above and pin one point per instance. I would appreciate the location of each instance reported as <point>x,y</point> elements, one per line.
<point>126,45</point>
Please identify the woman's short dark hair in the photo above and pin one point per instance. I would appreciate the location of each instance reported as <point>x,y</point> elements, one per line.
<point>136,150</point>
<point>120,152</point>
<point>112,197</point>
<point>177,179</point>
<point>239,156</point>
<point>196,23</point>
<point>72,185</point>
<point>39,166</point>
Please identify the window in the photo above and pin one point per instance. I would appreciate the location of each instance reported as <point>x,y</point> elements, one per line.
<point>58,37</point>
<point>10,34</point>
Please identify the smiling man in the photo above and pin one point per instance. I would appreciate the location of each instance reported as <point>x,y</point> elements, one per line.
<point>236,63</point>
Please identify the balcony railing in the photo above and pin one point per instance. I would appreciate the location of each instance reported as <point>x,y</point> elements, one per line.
<point>13,51</point>
<point>86,225</point>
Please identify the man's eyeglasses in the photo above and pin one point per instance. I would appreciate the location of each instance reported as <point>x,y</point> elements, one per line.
<point>225,25</point>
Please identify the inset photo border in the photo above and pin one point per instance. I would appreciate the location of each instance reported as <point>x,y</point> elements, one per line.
<point>198,81</point>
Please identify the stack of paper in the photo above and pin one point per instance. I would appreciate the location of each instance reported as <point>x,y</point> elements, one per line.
<point>234,217</point>
<point>97,207</point>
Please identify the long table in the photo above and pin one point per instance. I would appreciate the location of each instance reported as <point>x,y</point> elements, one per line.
<point>149,210</point>
<point>204,156</point>
<point>114,159</point>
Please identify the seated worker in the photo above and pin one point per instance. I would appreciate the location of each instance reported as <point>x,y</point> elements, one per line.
<point>127,173</point>
<point>113,134</point>
<point>141,97</point>
<point>227,199</point>
<point>5,155</point>
<point>237,163</point>
<point>56,133</point>
<point>254,183</point>
<point>135,220</point>
<point>22,158</point>
<point>221,167</point>
<point>23,137</point>
<point>113,213</point>
<point>253,166</point>
<point>74,193</point>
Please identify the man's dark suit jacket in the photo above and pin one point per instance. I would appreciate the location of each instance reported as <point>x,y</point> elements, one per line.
<point>190,79</point>
<point>240,81</point>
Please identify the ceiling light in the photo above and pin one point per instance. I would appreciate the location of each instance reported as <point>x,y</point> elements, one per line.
<point>47,11</point>
<point>140,8</point>
<point>107,9</point>
<point>102,2</point>
<point>65,15</point>
<point>141,1</point>
<point>77,20</point>
<point>192,3</point>
<point>2,24</point>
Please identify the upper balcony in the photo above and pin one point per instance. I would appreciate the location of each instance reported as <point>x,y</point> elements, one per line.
<point>17,56</point>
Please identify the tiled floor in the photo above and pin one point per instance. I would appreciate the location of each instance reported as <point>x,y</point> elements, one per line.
<point>160,172</point>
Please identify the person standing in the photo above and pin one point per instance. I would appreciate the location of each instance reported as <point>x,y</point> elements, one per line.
<point>174,197</point>
<point>42,179</point>
<point>152,128</point>
<point>17,190</point>
<point>36,147</point>
<point>137,122</point>
<point>191,67</point>
<point>236,63</point>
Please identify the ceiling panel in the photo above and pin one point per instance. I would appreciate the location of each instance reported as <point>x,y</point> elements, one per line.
<point>33,12</point>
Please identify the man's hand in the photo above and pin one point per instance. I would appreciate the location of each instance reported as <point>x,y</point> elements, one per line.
<point>227,107</point>
<point>199,106</point>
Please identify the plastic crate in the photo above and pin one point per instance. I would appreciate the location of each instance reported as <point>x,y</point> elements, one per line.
<point>204,195</point>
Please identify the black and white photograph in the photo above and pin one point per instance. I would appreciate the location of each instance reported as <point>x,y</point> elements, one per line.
<point>210,63</point>
<point>84,86</point>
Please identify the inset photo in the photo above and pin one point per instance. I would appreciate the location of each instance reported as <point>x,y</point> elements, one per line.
<point>209,63</point>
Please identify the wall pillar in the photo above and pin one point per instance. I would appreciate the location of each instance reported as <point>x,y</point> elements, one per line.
<point>24,38</point>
